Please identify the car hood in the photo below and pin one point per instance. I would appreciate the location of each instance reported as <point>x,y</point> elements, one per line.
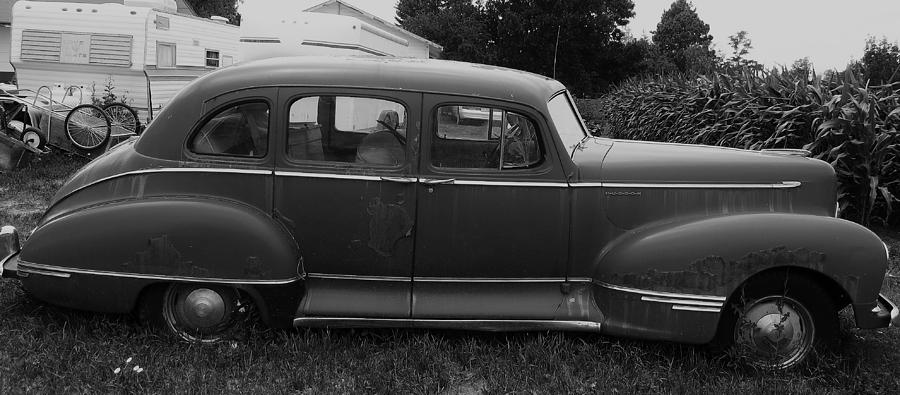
<point>617,161</point>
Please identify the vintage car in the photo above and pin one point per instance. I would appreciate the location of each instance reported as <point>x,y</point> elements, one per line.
<point>332,192</point>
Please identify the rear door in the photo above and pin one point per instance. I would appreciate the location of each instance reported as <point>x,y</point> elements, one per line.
<point>345,187</point>
<point>493,213</point>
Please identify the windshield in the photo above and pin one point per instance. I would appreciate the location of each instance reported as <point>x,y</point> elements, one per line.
<point>567,122</point>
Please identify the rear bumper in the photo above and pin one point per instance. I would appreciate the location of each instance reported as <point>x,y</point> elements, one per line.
<point>9,250</point>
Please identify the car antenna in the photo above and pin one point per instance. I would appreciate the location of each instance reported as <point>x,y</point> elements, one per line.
<point>554,51</point>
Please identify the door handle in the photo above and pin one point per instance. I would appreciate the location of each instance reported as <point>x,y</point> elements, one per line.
<point>435,181</point>
<point>402,180</point>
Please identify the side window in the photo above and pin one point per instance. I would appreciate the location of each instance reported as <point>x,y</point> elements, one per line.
<point>471,137</point>
<point>238,130</point>
<point>346,129</point>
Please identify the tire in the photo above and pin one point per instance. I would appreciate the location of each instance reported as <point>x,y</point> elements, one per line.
<point>124,117</point>
<point>34,137</point>
<point>780,321</point>
<point>88,127</point>
<point>200,313</point>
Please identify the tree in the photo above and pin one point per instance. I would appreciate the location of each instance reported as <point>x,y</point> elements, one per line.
<point>578,42</point>
<point>523,34</point>
<point>223,8</point>
<point>457,25</point>
<point>741,45</point>
<point>881,61</point>
<point>681,35</point>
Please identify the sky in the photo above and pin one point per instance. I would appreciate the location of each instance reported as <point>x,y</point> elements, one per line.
<point>829,32</point>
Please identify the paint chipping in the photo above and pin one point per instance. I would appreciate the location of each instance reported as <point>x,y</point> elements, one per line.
<point>388,223</point>
<point>717,276</point>
<point>161,257</point>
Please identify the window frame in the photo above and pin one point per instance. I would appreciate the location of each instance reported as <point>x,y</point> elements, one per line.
<point>540,166</point>
<point>174,54</point>
<point>212,113</point>
<point>218,58</point>
<point>289,101</point>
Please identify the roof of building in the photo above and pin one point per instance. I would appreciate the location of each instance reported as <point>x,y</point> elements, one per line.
<point>378,20</point>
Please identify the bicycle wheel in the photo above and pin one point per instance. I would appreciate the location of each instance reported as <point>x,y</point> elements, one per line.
<point>123,119</point>
<point>88,127</point>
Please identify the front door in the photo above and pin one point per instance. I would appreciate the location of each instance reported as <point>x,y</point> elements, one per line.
<point>345,187</point>
<point>493,214</point>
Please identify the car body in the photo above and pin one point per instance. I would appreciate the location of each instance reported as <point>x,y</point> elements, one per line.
<point>333,192</point>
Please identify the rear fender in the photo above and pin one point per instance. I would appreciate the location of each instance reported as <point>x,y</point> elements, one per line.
<point>138,242</point>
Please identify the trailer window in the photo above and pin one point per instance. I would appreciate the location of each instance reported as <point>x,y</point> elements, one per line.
<point>165,54</point>
<point>212,58</point>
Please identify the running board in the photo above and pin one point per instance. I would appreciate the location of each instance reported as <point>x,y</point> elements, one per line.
<point>473,325</point>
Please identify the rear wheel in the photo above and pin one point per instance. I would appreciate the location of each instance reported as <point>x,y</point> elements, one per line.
<point>197,312</point>
<point>780,321</point>
<point>123,119</point>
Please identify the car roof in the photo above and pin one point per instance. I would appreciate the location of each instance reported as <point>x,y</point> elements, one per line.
<point>164,137</point>
<point>421,75</point>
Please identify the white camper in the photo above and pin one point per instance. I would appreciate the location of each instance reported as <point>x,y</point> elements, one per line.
<point>143,47</point>
<point>330,28</point>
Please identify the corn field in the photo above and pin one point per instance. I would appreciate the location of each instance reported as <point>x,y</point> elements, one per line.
<point>840,120</point>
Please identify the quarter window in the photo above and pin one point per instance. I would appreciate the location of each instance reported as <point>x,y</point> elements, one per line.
<point>358,130</point>
<point>475,137</point>
<point>239,130</point>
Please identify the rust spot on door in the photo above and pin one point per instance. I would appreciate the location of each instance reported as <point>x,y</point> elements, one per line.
<point>388,223</point>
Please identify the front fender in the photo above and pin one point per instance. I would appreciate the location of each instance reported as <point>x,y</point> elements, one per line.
<point>670,281</point>
<point>179,239</point>
<point>713,256</point>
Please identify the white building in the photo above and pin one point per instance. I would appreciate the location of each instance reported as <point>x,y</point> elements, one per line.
<point>330,28</point>
<point>146,47</point>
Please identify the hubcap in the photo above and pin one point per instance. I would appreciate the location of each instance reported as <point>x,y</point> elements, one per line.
<point>198,314</point>
<point>777,330</point>
<point>203,308</point>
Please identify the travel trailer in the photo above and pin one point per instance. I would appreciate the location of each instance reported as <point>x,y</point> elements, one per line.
<point>330,28</point>
<point>142,48</point>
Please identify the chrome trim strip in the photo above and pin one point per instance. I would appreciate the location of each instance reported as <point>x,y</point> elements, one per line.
<point>780,185</point>
<point>512,183</point>
<point>28,266</point>
<point>699,309</point>
<point>680,301</point>
<point>587,184</point>
<point>438,279</point>
<point>672,295</point>
<point>327,175</point>
<point>489,279</point>
<point>488,325</point>
<point>42,272</point>
<point>170,170</point>
<point>325,276</point>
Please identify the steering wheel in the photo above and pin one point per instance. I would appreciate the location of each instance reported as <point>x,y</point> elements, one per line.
<point>393,131</point>
<point>511,135</point>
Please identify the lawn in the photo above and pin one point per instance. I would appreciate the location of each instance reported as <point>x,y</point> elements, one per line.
<point>46,349</point>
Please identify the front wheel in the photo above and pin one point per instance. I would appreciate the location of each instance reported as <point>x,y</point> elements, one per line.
<point>780,321</point>
<point>201,312</point>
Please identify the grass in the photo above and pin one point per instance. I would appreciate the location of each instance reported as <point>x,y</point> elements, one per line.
<point>47,349</point>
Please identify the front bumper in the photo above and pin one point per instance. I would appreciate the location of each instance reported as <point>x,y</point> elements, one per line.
<point>884,314</point>
<point>9,249</point>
